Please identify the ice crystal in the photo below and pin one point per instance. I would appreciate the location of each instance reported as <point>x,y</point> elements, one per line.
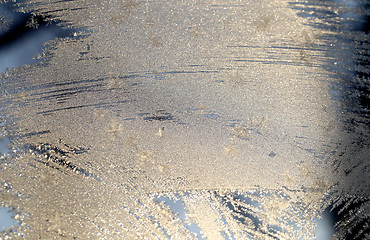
<point>33,22</point>
<point>4,24</point>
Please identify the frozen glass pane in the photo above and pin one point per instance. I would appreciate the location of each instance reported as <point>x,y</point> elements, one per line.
<point>189,120</point>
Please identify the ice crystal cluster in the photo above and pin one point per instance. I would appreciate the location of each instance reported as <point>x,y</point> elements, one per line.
<point>189,120</point>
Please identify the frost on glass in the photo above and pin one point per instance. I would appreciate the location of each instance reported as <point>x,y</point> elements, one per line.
<point>189,120</point>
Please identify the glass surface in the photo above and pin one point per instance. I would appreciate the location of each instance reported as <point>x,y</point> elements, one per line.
<point>185,119</point>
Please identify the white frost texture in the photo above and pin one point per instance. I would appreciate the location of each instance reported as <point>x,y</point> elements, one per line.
<point>209,119</point>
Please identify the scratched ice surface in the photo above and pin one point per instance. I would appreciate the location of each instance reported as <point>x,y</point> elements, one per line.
<point>190,120</point>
